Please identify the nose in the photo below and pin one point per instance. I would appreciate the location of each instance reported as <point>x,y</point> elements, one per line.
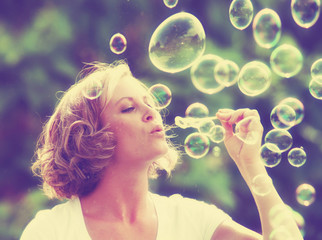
<point>150,115</point>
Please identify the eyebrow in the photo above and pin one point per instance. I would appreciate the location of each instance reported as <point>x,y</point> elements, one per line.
<point>123,98</point>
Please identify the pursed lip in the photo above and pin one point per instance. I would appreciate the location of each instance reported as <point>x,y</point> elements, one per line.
<point>156,129</point>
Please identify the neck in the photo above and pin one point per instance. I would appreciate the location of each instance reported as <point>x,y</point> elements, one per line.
<point>122,194</point>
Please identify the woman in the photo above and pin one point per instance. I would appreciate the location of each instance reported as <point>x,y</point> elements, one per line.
<point>100,151</point>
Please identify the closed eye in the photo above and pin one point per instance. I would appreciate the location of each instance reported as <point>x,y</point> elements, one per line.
<point>127,110</point>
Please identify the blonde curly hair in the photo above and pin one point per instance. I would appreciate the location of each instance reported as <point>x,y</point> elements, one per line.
<point>74,147</point>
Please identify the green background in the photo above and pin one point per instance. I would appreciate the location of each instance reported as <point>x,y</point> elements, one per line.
<point>43,45</point>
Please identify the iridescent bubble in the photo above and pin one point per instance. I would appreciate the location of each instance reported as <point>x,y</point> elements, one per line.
<point>316,68</point>
<point>286,61</point>
<point>283,116</point>
<point>241,13</point>
<point>297,106</point>
<point>205,126</point>
<point>305,194</point>
<point>270,155</point>
<point>296,157</point>
<point>93,89</point>
<point>170,3</point>
<point>315,87</point>
<point>118,43</point>
<point>162,94</point>
<point>244,132</point>
<point>281,138</point>
<point>197,110</point>
<point>217,134</point>
<point>203,74</point>
<point>254,78</point>
<point>300,221</point>
<point>177,43</point>
<point>267,28</point>
<point>261,184</point>
<point>196,145</point>
<point>305,12</point>
<point>226,73</point>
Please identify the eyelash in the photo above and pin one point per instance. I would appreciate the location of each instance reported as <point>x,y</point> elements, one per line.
<point>130,109</point>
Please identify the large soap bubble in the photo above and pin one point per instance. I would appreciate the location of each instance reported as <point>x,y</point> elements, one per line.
<point>305,12</point>
<point>226,73</point>
<point>254,78</point>
<point>203,74</point>
<point>267,28</point>
<point>286,61</point>
<point>177,43</point>
<point>270,155</point>
<point>241,13</point>
<point>283,116</point>
<point>281,138</point>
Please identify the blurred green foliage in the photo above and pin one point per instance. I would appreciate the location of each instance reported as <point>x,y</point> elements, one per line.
<point>43,45</point>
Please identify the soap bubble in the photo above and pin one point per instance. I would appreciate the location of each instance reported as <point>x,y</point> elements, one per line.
<point>316,68</point>
<point>93,89</point>
<point>297,106</point>
<point>296,157</point>
<point>315,87</point>
<point>286,61</point>
<point>170,3</point>
<point>305,12</point>
<point>305,194</point>
<point>203,74</point>
<point>267,28</point>
<point>196,145</point>
<point>283,116</point>
<point>162,94</point>
<point>177,43</point>
<point>270,155</point>
<point>217,134</point>
<point>241,13</point>
<point>197,110</point>
<point>205,126</point>
<point>261,184</point>
<point>245,133</point>
<point>280,215</point>
<point>226,73</point>
<point>254,78</point>
<point>281,138</point>
<point>118,43</point>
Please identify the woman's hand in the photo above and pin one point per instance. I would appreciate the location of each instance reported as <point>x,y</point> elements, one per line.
<point>250,129</point>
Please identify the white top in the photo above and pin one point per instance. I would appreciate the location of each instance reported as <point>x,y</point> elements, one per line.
<point>178,218</point>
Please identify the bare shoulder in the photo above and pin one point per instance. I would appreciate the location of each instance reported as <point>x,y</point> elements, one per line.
<point>231,230</point>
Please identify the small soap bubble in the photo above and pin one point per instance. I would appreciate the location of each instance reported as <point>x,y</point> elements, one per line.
<point>280,215</point>
<point>305,12</point>
<point>300,221</point>
<point>162,94</point>
<point>281,138</point>
<point>315,87</point>
<point>244,132</point>
<point>286,61</point>
<point>267,28</point>
<point>203,74</point>
<point>283,117</point>
<point>305,194</point>
<point>205,126</point>
<point>170,3</point>
<point>217,134</point>
<point>177,43</point>
<point>254,78</point>
<point>197,110</point>
<point>118,43</point>
<point>296,157</point>
<point>226,73</point>
<point>196,145</point>
<point>270,155</point>
<point>261,185</point>
<point>241,13</point>
<point>216,151</point>
<point>297,106</point>
<point>316,68</point>
<point>93,89</point>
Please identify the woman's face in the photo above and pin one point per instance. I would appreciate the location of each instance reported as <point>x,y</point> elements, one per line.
<point>137,126</point>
